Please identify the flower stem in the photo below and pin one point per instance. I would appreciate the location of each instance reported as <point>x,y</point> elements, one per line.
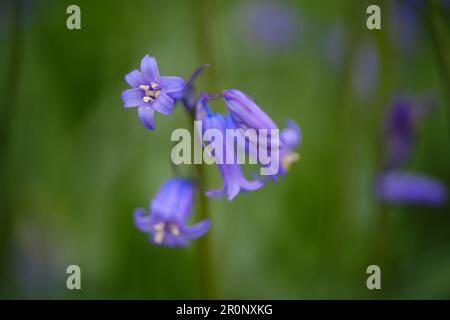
<point>203,13</point>
<point>206,267</point>
<point>440,37</point>
<point>7,163</point>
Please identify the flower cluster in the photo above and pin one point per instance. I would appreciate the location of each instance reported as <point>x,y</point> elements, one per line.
<point>166,221</point>
<point>395,185</point>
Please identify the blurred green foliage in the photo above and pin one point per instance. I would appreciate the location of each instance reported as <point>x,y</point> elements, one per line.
<point>75,164</point>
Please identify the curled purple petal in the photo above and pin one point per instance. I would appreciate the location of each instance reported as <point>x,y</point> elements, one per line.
<point>142,221</point>
<point>197,230</point>
<point>291,136</point>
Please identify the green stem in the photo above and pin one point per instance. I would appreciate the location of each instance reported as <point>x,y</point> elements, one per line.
<point>441,43</point>
<point>7,110</point>
<point>207,283</point>
<point>203,15</point>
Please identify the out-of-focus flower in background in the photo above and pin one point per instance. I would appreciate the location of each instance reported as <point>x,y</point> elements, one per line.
<point>405,25</point>
<point>400,128</point>
<point>394,185</point>
<point>270,25</point>
<point>410,188</point>
<point>169,211</point>
<point>37,259</point>
<point>332,44</point>
<point>151,92</point>
<point>365,71</point>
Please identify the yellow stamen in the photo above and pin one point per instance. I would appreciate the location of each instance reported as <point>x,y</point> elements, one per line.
<point>174,229</point>
<point>159,236</point>
<point>289,158</point>
<point>159,226</point>
<point>150,94</point>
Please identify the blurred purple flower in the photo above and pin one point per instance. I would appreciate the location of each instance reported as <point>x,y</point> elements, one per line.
<point>233,179</point>
<point>400,127</point>
<point>399,134</point>
<point>365,71</point>
<point>169,212</point>
<point>271,25</point>
<point>393,185</point>
<point>404,24</point>
<point>151,92</point>
<point>410,188</point>
<point>333,45</point>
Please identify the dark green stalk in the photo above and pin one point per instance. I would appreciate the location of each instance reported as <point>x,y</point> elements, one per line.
<point>203,15</point>
<point>7,108</point>
<point>441,43</point>
<point>207,283</point>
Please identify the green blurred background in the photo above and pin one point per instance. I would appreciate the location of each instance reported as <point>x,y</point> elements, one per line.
<point>74,163</point>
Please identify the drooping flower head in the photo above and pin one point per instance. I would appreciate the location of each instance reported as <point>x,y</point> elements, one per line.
<point>169,211</point>
<point>234,180</point>
<point>151,92</point>
<point>411,188</point>
<point>246,114</point>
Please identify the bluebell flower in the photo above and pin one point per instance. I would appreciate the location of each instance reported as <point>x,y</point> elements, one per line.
<point>410,188</point>
<point>233,179</point>
<point>169,211</point>
<point>246,114</point>
<point>151,92</point>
